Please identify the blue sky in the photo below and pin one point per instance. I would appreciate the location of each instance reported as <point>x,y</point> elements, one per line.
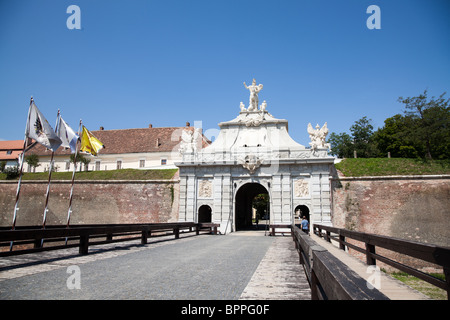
<point>166,62</point>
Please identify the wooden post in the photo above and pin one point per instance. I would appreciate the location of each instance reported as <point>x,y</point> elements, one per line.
<point>341,242</point>
<point>144,237</point>
<point>447,280</point>
<point>84,244</point>
<point>370,248</point>
<point>38,243</point>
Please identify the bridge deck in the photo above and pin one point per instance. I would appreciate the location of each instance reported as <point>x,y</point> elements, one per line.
<point>238,266</point>
<point>392,288</point>
<point>242,265</point>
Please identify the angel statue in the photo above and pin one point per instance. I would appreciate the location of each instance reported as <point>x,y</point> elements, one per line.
<point>318,136</point>
<point>254,89</point>
<point>190,140</point>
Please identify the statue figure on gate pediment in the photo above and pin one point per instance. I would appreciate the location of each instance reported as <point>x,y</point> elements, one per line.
<point>190,140</point>
<point>254,89</point>
<point>318,136</point>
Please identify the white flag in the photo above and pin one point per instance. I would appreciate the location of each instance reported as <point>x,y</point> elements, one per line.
<point>40,130</point>
<point>68,137</point>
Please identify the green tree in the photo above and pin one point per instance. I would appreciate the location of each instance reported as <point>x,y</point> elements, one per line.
<point>341,145</point>
<point>2,166</point>
<point>261,204</point>
<point>33,161</point>
<point>362,132</point>
<point>431,124</point>
<point>394,138</point>
<point>80,159</point>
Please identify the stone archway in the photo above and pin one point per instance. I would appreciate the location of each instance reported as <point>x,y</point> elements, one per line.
<point>243,204</point>
<point>204,213</point>
<point>302,211</point>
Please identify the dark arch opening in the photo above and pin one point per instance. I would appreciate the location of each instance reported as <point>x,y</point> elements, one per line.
<point>302,211</point>
<point>245,197</point>
<point>204,213</point>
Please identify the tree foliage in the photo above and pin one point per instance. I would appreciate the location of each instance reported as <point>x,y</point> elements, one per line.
<point>261,204</point>
<point>422,131</point>
<point>32,160</point>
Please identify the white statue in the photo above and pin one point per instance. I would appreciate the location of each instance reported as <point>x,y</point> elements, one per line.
<point>190,140</point>
<point>318,136</point>
<point>263,106</point>
<point>242,107</point>
<point>254,89</point>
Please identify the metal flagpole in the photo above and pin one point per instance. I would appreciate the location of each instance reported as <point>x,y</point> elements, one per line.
<point>25,144</point>
<point>69,212</point>
<point>50,169</point>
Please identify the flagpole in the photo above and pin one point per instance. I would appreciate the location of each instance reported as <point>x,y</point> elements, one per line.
<point>50,169</point>
<point>25,144</point>
<point>69,212</point>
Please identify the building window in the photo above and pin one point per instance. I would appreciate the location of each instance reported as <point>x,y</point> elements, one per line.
<point>97,165</point>
<point>119,164</point>
<point>163,162</point>
<point>141,163</point>
<point>67,165</point>
<point>9,152</point>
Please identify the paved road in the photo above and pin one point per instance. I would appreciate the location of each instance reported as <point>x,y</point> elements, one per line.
<point>201,267</point>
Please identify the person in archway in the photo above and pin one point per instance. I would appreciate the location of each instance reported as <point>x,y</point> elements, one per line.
<point>305,225</point>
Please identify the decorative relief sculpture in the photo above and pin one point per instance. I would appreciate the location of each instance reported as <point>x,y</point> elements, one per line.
<point>301,188</point>
<point>190,140</point>
<point>251,163</point>
<point>254,120</point>
<point>318,136</point>
<point>205,189</point>
<point>254,89</point>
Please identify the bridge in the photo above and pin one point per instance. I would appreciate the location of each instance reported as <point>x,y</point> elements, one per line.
<point>189,261</point>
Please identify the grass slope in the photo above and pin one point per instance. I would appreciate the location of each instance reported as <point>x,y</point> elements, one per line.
<point>123,174</point>
<point>361,167</point>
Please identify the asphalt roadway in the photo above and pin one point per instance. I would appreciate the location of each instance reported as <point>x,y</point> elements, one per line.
<point>204,267</point>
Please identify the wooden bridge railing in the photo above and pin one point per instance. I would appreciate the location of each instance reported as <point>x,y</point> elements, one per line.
<point>29,239</point>
<point>329,278</point>
<point>430,253</point>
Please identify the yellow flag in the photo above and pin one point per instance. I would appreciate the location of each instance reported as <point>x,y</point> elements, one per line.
<point>89,143</point>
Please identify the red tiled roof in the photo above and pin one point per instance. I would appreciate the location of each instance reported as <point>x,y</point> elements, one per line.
<point>11,145</point>
<point>14,147</point>
<point>120,141</point>
<point>13,156</point>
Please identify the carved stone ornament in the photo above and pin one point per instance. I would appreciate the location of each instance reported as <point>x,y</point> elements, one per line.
<point>301,188</point>
<point>205,189</point>
<point>318,136</point>
<point>190,141</point>
<point>251,163</point>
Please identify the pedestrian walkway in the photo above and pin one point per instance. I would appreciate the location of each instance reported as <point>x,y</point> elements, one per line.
<point>392,288</point>
<point>279,276</point>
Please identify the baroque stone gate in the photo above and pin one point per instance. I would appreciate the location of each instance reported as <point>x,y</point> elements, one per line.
<point>253,154</point>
